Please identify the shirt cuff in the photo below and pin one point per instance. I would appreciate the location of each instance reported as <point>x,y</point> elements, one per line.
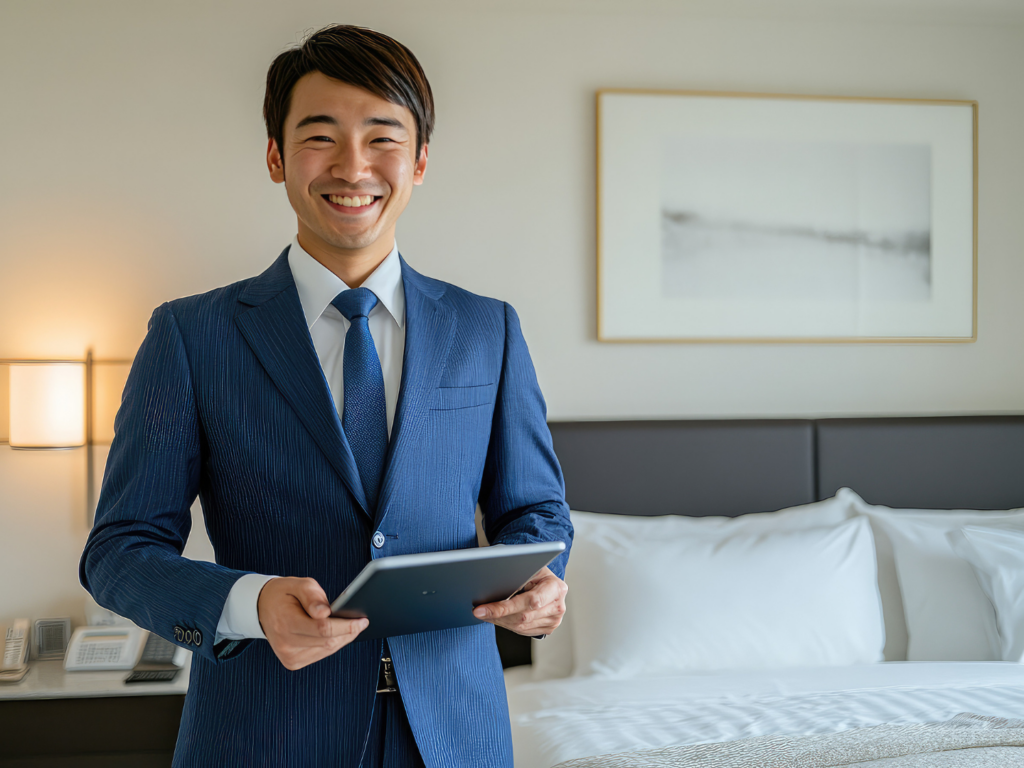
<point>240,618</point>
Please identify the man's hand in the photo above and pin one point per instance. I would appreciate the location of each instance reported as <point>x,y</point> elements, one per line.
<point>537,610</point>
<point>296,618</point>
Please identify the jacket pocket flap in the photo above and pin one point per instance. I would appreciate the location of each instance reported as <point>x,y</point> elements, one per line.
<point>452,398</point>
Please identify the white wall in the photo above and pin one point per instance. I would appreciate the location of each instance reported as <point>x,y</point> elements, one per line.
<point>133,173</point>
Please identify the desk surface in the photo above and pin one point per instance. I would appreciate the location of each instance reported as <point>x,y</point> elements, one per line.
<point>48,680</point>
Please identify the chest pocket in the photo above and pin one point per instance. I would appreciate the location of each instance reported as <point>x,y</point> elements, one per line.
<point>455,398</point>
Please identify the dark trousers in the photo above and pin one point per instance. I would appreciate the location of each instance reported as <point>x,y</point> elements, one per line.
<point>389,742</point>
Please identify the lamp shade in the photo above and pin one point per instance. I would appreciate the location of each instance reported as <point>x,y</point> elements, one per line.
<point>47,405</point>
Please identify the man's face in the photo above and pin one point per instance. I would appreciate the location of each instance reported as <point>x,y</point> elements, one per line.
<point>343,142</point>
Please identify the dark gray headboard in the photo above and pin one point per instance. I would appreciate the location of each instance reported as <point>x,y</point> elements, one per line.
<point>731,467</point>
<point>969,462</point>
<point>686,467</point>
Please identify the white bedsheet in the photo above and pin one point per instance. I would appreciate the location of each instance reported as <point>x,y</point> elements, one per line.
<point>557,720</point>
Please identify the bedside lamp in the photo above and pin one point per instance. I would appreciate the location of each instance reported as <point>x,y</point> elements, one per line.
<point>48,405</point>
<point>51,408</point>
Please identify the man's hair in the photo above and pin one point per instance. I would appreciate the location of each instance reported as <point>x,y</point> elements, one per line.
<point>357,56</point>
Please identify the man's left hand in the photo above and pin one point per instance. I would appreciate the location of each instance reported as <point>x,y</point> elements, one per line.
<point>537,610</point>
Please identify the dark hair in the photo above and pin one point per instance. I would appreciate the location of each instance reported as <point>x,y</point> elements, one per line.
<point>357,56</point>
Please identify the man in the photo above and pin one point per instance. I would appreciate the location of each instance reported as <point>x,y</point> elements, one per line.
<point>337,408</point>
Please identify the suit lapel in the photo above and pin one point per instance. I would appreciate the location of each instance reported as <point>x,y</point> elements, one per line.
<point>275,328</point>
<point>429,332</point>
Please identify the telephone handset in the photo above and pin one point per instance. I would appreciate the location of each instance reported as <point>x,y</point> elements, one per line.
<point>15,661</point>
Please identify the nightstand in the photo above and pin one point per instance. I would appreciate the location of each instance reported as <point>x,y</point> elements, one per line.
<point>55,718</point>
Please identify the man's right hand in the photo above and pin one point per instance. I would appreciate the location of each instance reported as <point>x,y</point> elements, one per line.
<point>296,618</point>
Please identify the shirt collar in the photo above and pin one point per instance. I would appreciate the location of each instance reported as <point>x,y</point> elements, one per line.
<point>317,285</point>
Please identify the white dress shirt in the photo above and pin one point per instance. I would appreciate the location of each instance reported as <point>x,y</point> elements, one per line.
<point>317,287</point>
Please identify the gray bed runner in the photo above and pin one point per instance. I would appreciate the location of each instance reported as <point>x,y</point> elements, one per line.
<point>966,740</point>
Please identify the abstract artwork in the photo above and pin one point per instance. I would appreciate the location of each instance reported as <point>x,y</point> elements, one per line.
<point>753,218</point>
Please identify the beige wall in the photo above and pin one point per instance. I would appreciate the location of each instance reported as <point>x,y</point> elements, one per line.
<point>133,173</point>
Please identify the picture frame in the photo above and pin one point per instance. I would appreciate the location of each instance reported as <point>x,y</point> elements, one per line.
<point>774,218</point>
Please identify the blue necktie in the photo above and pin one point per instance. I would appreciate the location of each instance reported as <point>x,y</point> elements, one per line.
<point>364,414</point>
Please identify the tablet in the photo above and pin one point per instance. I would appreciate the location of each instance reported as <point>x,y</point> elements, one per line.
<point>403,594</point>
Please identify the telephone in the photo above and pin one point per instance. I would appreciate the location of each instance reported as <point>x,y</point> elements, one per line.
<point>101,648</point>
<point>15,662</point>
<point>121,647</point>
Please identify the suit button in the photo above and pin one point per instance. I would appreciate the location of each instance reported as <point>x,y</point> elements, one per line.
<point>378,539</point>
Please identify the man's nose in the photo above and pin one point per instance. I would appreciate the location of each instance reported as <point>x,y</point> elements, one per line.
<point>351,163</point>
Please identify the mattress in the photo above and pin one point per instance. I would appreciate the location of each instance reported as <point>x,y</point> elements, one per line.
<point>558,720</point>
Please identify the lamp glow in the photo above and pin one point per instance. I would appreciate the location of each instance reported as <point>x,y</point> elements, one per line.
<point>47,405</point>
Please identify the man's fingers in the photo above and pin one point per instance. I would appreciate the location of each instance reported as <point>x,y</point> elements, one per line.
<point>539,628</point>
<point>543,592</point>
<point>543,626</point>
<point>297,621</point>
<point>549,617</point>
<point>536,611</point>
<point>549,614</point>
<point>343,631</point>
<point>517,604</point>
<point>322,629</point>
<point>297,651</point>
<point>554,608</point>
<point>312,598</point>
<point>292,620</point>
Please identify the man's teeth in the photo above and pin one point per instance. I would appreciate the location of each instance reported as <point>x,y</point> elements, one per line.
<point>351,202</point>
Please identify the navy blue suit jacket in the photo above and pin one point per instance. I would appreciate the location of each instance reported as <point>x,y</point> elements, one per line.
<point>226,399</point>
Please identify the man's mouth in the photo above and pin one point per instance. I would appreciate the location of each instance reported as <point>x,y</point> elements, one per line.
<point>353,203</point>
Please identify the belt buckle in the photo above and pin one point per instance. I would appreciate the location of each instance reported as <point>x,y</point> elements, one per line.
<point>386,680</point>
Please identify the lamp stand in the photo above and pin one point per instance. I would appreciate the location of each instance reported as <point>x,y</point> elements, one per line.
<point>90,489</point>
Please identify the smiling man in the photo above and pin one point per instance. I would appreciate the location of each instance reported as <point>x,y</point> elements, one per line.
<point>337,408</point>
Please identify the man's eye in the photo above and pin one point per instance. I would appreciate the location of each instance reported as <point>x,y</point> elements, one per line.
<point>319,138</point>
<point>383,138</point>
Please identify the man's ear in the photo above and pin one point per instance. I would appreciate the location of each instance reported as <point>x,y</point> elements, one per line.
<point>421,166</point>
<point>275,163</point>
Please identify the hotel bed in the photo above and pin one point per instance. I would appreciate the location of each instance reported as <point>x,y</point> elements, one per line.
<point>703,632</point>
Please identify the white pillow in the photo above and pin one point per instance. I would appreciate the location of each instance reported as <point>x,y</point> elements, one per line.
<point>888,582</point>
<point>997,557</point>
<point>948,617</point>
<point>648,603</point>
<point>553,656</point>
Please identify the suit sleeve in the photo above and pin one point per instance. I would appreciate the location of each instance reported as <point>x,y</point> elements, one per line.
<point>522,494</point>
<point>132,562</point>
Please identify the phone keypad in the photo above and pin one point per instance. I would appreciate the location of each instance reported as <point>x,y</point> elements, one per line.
<point>158,650</point>
<point>99,653</point>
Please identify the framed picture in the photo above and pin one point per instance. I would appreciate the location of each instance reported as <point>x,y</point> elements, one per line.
<point>766,218</point>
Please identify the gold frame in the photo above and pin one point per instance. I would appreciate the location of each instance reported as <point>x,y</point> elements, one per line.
<point>808,340</point>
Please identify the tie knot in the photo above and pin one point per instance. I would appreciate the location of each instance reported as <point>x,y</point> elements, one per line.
<point>356,302</point>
